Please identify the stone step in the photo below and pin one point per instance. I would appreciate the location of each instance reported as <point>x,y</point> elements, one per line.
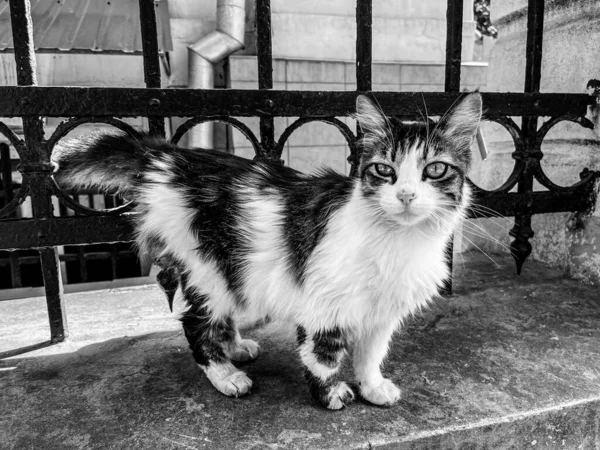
<point>506,362</point>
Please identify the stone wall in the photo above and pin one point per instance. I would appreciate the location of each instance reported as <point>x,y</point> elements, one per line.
<point>315,145</point>
<point>407,30</point>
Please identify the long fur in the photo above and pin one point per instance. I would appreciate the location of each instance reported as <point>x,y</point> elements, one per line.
<point>343,258</point>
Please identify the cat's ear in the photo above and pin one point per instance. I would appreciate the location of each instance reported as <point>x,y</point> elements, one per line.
<point>459,125</point>
<point>369,117</point>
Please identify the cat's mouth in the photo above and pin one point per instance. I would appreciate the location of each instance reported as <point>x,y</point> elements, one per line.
<point>409,216</point>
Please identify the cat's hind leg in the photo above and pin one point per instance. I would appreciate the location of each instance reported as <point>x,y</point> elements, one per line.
<point>322,353</point>
<point>241,350</point>
<point>209,337</point>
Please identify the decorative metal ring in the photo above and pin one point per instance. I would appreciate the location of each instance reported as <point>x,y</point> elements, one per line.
<point>12,137</point>
<point>23,191</point>
<point>519,142</point>
<point>18,199</point>
<point>240,126</point>
<point>69,125</point>
<point>78,207</point>
<point>64,128</point>
<point>341,126</point>
<point>538,171</point>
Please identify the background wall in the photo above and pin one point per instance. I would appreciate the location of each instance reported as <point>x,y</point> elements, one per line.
<point>316,144</point>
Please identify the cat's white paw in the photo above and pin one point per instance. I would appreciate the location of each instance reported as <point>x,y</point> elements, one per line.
<point>244,350</point>
<point>385,393</point>
<point>340,396</point>
<point>227,379</point>
<point>235,384</point>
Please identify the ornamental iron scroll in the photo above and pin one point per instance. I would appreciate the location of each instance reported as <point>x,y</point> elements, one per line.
<point>61,131</point>
<point>240,126</point>
<point>350,138</point>
<point>580,196</point>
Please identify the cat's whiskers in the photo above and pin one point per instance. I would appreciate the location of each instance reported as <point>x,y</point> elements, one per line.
<point>482,209</point>
<point>480,250</point>
<point>478,231</point>
<point>494,219</point>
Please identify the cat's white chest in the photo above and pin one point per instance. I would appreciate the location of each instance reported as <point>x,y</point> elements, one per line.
<point>373,274</point>
<point>409,270</point>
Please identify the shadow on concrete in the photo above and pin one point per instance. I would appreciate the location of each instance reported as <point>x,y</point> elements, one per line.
<point>25,349</point>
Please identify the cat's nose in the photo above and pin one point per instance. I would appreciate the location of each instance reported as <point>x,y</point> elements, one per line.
<point>406,194</point>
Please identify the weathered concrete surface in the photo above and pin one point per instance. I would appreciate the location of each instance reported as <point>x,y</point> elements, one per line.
<point>507,362</point>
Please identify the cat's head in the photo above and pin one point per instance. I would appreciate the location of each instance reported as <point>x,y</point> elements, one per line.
<point>415,172</point>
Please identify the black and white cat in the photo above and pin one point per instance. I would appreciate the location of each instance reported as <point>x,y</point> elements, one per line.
<point>345,259</point>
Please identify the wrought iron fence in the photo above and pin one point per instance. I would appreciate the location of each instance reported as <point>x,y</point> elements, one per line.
<point>30,102</point>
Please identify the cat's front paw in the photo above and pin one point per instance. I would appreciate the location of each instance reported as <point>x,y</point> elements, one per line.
<point>227,379</point>
<point>234,385</point>
<point>340,395</point>
<point>384,393</point>
<point>244,350</point>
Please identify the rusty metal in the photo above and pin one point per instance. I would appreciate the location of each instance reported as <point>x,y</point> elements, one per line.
<point>54,101</point>
<point>240,126</point>
<point>454,26</point>
<point>364,44</point>
<point>149,32</point>
<point>264,50</point>
<point>364,60</point>
<point>113,225</point>
<point>37,233</point>
<point>529,156</point>
<point>35,166</point>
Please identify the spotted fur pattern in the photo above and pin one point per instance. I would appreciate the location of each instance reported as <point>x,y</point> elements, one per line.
<point>345,259</point>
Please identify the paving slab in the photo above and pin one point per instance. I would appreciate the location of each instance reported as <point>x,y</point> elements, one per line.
<point>506,362</point>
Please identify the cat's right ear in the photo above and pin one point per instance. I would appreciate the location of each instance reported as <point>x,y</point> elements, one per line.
<point>369,117</point>
<point>459,126</point>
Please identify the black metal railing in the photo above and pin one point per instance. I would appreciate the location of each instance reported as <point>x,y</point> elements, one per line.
<point>44,232</point>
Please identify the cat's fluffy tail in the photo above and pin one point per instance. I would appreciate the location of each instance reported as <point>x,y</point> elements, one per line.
<point>107,162</point>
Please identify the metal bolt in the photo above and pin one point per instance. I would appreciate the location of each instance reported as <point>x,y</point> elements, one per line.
<point>269,103</point>
<point>154,102</point>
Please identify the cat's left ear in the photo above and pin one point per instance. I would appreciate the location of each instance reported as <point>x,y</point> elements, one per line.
<point>369,117</point>
<point>459,125</point>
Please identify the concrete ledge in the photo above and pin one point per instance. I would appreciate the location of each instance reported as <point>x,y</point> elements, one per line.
<point>507,362</point>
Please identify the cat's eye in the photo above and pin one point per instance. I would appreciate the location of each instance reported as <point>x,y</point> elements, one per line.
<point>436,170</point>
<point>384,170</point>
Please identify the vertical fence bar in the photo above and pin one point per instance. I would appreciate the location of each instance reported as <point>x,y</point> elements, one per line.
<point>151,59</point>
<point>264,52</point>
<point>364,44</point>
<point>454,26</point>
<point>533,49</point>
<point>7,187</point>
<point>364,58</point>
<point>15,270</point>
<point>522,231</point>
<point>7,184</point>
<point>35,164</point>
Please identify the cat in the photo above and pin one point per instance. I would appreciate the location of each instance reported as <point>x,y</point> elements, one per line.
<point>345,259</point>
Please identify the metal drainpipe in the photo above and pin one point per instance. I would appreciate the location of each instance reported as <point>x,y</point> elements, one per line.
<point>212,48</point>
